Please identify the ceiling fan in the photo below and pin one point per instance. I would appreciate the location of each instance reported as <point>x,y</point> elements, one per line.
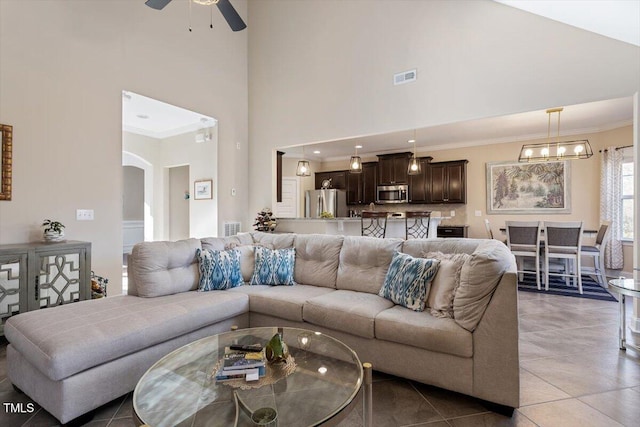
<point>228,11</point>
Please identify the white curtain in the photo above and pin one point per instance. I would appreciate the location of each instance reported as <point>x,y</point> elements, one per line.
<point>611,204</point>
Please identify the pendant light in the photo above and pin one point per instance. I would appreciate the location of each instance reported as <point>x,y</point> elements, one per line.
<point>414,164</point>
<point>303,168</point>
<point>565,150</point>
<point>355,163</point>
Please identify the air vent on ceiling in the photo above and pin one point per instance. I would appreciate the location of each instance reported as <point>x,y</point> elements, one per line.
<point>231,228</point>
<point>405,77</point>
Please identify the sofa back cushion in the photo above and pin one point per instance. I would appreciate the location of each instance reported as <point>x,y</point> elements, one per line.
<point>276,241</point>
<point>422,247</point>
<point>479,277</point>
<point>364,262</point>
<point>317,257</point>
<point>165,268</point>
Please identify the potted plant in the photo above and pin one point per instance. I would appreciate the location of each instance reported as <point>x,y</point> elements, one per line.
<point>53,230</point>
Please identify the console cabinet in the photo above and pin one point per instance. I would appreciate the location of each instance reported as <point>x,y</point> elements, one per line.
<point>452,231</point>
<point>392,168</point>
<point>41,275</point>
<point>448,182</point>
<point>338,179</point>
<point>361,187</point>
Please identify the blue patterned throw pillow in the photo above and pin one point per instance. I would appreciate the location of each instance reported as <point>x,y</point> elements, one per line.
<point>274,266</point>
<point>408,279</point>
<point>219,270</point>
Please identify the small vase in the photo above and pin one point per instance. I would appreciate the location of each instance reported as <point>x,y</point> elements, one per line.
<point>53,236</point>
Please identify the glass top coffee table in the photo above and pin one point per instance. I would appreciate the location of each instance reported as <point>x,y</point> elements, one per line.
<point>179,390</point>
<point>625,287</point>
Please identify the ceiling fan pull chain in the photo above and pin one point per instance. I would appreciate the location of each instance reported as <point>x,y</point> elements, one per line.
<point>189,15</point>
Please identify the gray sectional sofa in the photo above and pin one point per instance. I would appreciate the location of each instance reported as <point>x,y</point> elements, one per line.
<point>74,358</point>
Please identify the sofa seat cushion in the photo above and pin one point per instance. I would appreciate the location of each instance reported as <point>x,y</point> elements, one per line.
<point>285,302</point>
<point>420,329</point>
<point>68,339</point>
<point>347,311</point>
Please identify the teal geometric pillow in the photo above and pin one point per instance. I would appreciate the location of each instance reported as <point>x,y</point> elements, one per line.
<point>274,266</point>
<point>219,270</point>
<point>408,280</point>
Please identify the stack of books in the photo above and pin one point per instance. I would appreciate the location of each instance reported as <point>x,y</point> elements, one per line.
<point>247,363</point>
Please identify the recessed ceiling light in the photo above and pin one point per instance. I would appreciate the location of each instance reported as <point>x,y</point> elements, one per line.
<point>358,146</point>
<point>411,141</point>
<point>316,152</point>
<point>142,116</point>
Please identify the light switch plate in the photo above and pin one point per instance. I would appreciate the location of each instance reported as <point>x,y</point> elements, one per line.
<point>452,214</point>
<point>478,213</point>
<point>84,214</point>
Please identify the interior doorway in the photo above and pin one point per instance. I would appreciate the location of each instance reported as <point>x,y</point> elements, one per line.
<point>178,202</point>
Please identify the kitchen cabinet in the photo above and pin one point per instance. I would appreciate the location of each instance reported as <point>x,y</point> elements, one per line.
<point>448,182</point>
<point>40,275</point>
<point>361,187</point>
<point>419,185</point>
<point>392,168</point>
<point>452,230</point>
<point>338,179</point>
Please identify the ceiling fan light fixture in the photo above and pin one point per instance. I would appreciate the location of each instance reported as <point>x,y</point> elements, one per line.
<point>558,150</point>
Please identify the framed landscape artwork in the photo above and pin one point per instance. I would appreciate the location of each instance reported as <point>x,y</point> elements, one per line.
<point>202,189</point>
<point>528,188</point>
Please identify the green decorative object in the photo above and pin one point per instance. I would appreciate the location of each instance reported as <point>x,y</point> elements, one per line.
<point>276,350</point>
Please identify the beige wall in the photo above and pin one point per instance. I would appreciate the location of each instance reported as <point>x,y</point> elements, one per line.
<point>327,75</point>
<point>63,65</point>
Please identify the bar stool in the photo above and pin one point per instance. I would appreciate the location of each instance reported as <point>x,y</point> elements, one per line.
<point>416,224</point>
<point>373,224</point>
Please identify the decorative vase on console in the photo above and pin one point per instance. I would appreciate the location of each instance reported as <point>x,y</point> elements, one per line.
<point>53,231</point>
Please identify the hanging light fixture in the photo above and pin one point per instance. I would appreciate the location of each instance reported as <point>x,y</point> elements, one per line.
<point>355,163</point>
<point>303,168</point>
<point>414,164</point>
<point>565,150</point>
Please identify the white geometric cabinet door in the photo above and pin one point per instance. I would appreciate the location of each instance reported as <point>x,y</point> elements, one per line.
<point>289,207</point>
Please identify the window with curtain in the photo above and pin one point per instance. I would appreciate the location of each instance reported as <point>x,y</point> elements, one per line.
<point>627,200</point>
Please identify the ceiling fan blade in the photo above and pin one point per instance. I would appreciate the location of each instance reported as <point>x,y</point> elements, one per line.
<point>157,4</point>
<point>233,19</point>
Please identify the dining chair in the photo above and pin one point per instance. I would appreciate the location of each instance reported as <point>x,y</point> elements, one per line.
<point>373,224</point>
<point>523,240</point>
<point>596,251</point>
<point>416,224</point>
<point>563,241</point>
<point>487,227</point>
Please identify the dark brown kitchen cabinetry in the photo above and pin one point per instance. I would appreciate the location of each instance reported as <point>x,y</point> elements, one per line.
<point>338,179</point>
<point>448,182</point>
<point>361,187</point>
<point>419,185</point>
<point>392,168</point>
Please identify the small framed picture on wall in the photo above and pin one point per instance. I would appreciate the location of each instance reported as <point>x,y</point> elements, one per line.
<point>202,189</point>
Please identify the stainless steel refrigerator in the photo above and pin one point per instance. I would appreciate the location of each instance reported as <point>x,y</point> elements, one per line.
<point>330,200</point>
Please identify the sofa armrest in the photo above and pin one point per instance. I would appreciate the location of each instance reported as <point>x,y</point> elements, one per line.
<point>496,365</point>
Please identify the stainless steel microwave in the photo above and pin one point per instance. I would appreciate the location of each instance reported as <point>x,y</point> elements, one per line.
<point>392,194</point>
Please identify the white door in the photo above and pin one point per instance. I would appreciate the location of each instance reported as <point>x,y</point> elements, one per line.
<point>289,207</point>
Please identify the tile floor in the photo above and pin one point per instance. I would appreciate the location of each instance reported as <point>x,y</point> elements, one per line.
<point>572,374</point>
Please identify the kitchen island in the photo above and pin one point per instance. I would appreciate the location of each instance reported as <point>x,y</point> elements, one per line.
<point>348,226</point>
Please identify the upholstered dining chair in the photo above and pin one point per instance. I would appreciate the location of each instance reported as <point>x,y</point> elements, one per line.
<point>487,226</point>
<point>416,224</point>
<point>523,240</point>
<point>373,224</point>
<point>596,251</point>
<point>563,241</point>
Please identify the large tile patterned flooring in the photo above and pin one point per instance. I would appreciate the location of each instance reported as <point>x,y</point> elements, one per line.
<point>571,374</point>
